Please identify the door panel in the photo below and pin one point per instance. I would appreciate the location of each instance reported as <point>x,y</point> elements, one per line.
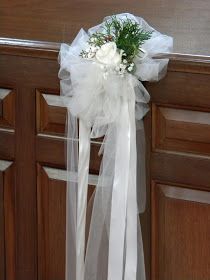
<point>23,74</point>
<point>186,85</point>
<point>180,233</point>
<point>32,198</point>
<point>51,199</point>
<point>181,168</point>
<point>51,226</point>
<point>177,129</point>
<point>180,164</point>
<point>2,237</point>
<point>50,125</point>
<point>50,113</point>
<point>7,108</point>
<point>7,221</point>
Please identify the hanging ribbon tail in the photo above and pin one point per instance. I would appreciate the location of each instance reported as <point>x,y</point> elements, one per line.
<point>120,196</point>
<point>134,260</point>
<point>83,172</point>
<point>76,196</point>
<point>114,222</point>
<point>71,196</point>
<point>114,249</point>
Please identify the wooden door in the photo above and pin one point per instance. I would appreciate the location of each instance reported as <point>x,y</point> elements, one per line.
<point>20,150</point>
<point>32,168</point>
<point>7,186</point>
<point>7,227</point>
<point>32,154</point>
<point>181,232</point>
<point>51,184</point>
<point>32,143</point>
<point>180,171</point>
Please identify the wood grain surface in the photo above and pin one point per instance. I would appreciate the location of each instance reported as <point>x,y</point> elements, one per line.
<point>52,20</point>
<point>180,229</point>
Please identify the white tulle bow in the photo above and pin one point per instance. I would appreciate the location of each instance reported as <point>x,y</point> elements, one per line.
<point>107,104</point>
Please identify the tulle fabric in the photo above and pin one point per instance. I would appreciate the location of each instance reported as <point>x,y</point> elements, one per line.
<point>110,108</point>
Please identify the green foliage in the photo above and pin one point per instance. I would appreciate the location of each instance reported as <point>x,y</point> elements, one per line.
<point>127,35</point>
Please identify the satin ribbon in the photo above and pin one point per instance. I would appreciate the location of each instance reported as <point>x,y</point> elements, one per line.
<point>122,254</point>
<point>119,196</point>
<point>131,225</point>
<point>83,173</point>
<point>122,259</point>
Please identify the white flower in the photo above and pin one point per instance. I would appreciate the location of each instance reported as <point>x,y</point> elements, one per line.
<point>125,61</point>
<point>109,55</point>
<point>93,49</point>
<point>90,55</point>
<point>103,67</point>
<point>122,66</point>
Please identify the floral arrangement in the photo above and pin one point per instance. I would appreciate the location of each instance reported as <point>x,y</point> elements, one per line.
<point>101,76</point>
<point>117,45</point>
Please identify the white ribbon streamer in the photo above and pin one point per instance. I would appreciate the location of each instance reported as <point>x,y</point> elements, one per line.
<point>83,172</point>
<point>107,107</point>
<point>131,221</point>
<point>119,196</point>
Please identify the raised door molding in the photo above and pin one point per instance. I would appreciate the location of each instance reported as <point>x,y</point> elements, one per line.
<point>50,113</point>
<point>7,108</point>
<point>51,201</point>
<point>180,233</point>
<point>188,86</point>
<point>7,221</point>
<point>179,129</point>
<point>7,122</point>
